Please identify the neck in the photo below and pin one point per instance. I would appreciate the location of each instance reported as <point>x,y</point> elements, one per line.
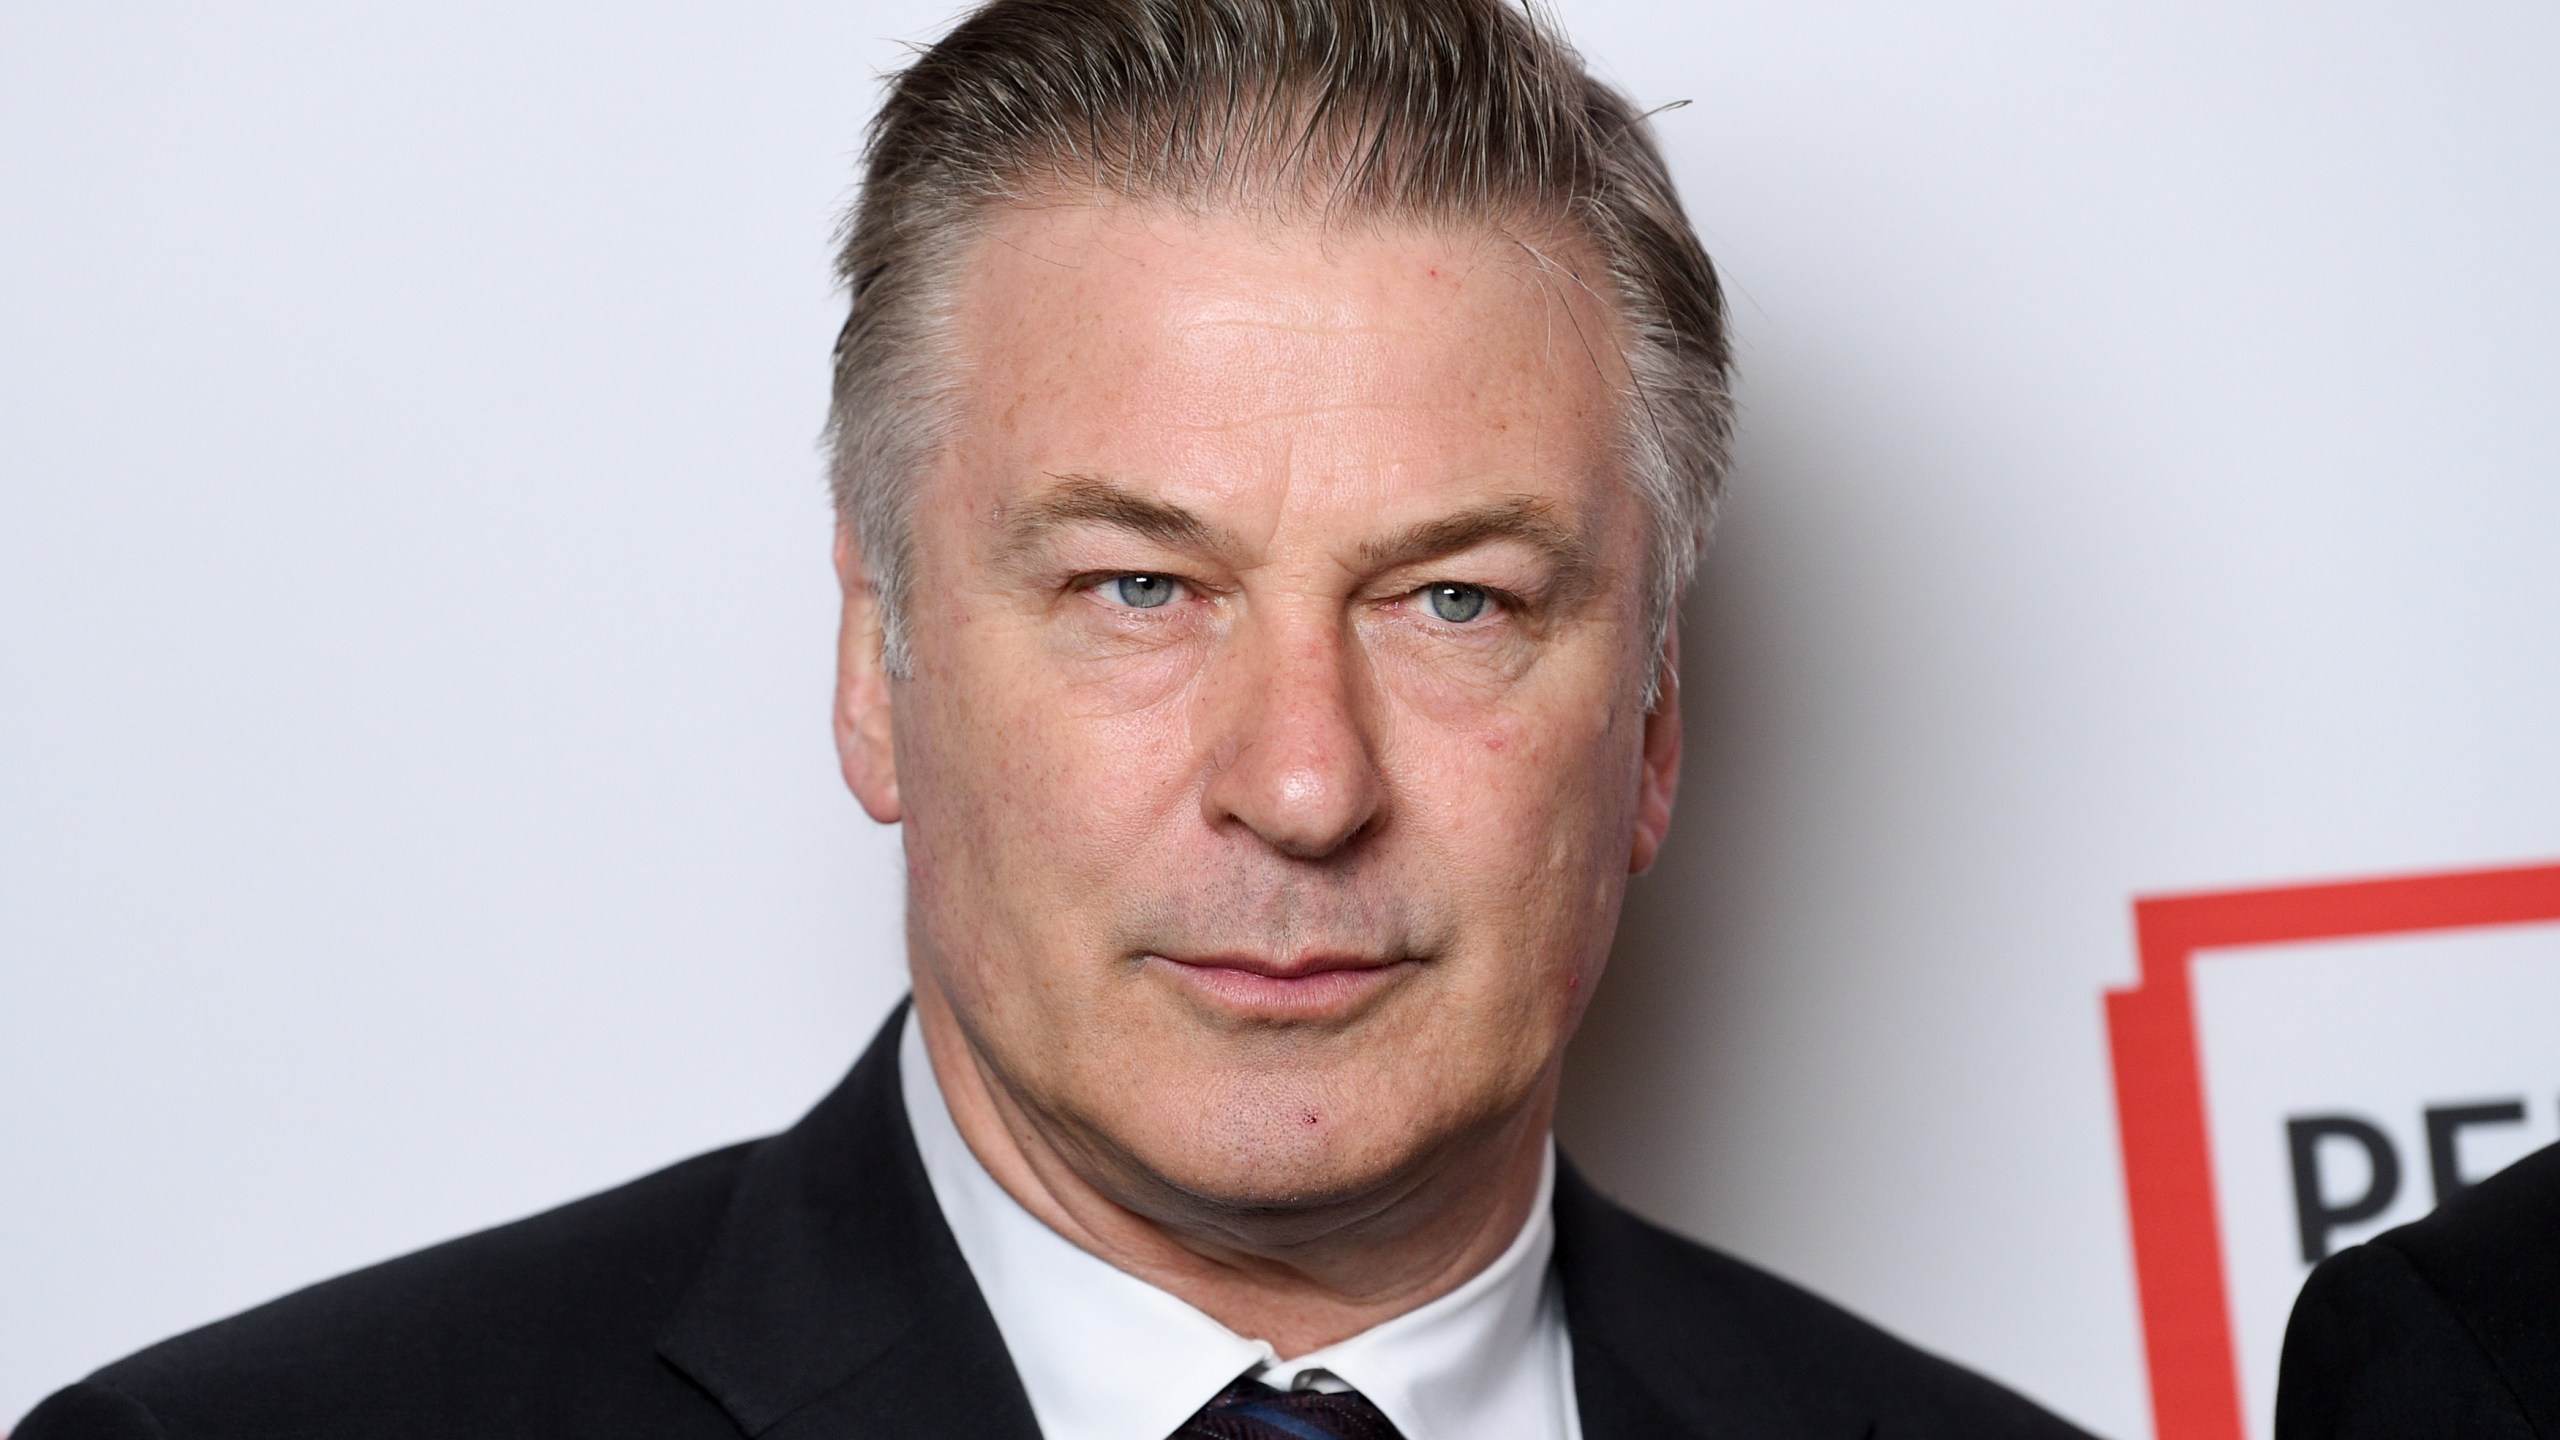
<point>1300,1279</point>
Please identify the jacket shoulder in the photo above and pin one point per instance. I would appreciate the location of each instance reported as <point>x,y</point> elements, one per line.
<point>2494,1250</point>
<point>2373,1351</point>
<point>546,1325</point>
<point>1734,1349</point>
<point>2455,1309</point>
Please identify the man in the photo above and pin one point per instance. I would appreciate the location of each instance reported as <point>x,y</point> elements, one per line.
<point>2444,1328</point>
<point>1271,437</point>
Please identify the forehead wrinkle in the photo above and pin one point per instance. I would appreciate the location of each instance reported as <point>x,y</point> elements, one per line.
<point>1325,328</point>
<point>1312,411</point>
<point>1554,343</point>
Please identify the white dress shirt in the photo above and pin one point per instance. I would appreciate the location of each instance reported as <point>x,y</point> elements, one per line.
<point>1104,1355</point>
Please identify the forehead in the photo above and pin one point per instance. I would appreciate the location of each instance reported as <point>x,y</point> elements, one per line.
<point>1217,353</point>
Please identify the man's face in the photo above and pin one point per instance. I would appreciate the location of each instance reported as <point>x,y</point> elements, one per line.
<point>1273,757</point>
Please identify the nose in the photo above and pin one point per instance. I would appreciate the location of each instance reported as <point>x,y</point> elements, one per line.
<point>1293,759</point>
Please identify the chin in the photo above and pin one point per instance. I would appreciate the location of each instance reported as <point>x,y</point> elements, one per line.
<point>1303,1143</point>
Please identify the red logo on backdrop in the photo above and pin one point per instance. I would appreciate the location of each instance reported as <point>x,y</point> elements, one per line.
<point>2179,1244</point>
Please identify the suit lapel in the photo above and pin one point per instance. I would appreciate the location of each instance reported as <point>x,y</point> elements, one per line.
<point>1661,1351</point>
<point>834,1301</point>
<point>1617,1403</point>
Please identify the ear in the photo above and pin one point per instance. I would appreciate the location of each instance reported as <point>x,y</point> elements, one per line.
<point>1658,778</point>
<point>863,719</point>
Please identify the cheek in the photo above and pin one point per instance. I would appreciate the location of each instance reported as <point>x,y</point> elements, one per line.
<point>1532,815</point>
<point>1044,778</point>
<point>1549,775</point>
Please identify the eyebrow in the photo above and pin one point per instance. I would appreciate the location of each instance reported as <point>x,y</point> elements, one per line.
<point>1092,500</point>
<point>1526,519</point>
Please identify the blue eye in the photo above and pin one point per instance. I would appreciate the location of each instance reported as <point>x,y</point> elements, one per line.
<point>1139,592</point>
<point>1456,604</point>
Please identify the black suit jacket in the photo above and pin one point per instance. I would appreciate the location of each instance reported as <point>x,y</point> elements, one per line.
<point>805,1286</point>
<point>2446,1328</point>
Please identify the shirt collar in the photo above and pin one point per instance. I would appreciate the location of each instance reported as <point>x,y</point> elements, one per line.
<point>1104,1355</point>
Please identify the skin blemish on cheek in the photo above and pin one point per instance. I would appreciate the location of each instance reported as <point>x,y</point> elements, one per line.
<point>1311,1119</point>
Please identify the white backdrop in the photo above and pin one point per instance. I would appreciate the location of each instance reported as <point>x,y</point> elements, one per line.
<point>415,799</point>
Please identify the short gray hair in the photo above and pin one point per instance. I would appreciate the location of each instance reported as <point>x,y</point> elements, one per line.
<point>1431,110</point>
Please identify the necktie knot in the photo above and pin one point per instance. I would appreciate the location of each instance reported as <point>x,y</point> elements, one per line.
<point>1251,1410</point>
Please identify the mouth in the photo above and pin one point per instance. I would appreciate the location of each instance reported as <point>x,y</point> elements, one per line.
<point>1313,987</point>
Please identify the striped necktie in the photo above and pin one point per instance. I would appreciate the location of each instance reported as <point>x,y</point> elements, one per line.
<point>1251,1410</point>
